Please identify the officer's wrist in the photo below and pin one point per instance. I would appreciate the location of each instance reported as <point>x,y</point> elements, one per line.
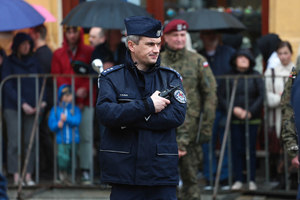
<point>149,106</point>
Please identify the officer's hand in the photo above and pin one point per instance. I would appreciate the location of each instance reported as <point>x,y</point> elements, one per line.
<point>160,103</point>
<point>181,153</point>
<point>28,109</point>
<point>295,162</point>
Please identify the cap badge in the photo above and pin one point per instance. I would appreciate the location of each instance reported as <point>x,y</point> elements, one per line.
<point>158,33</point>
<point>179,27</point>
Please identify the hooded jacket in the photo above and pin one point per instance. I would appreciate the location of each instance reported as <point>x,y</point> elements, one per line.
<point>13,65</point>
<point>64,134</point>
<point>61,64</point>
<point>255,87</point>
<point>138,146</point>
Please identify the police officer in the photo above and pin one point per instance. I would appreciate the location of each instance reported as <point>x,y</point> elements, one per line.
<point>200,86</point>
<point>138,150</point>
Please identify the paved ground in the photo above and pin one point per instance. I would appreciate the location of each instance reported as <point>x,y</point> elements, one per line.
<point>103,194</point>
<point>61,194</point>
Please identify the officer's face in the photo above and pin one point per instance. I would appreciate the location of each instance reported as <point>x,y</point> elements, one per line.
<point>285,55</point>
<point>146,52</point>
<point>176,39</point>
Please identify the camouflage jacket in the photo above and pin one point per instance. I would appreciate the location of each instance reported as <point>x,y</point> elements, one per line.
<point>200,86</point>
<point>288,130</point>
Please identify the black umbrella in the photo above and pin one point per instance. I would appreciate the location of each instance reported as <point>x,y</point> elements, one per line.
<point>205,19</point>
<point>109,14</point>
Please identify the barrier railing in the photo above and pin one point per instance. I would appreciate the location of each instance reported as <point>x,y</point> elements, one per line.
<point>19,125</point>
<point>90,78</point>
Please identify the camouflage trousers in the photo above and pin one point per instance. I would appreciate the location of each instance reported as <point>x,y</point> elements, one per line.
<point>189,167</point>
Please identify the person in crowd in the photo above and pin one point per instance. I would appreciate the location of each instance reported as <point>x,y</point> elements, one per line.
<point>20,62</point>
<point>116,46</point>
<point>2,57</point>
<point>274,83</point>
<point>44,55</point>
<point>242,64</point>
<point>218,57</point>
<point>3,145</point>
<point>138,149</point>
<point>267,45</point>
<point>200,86</point>
<point>74,57</point>
<point>63,120</point>
<point>41,50</point>
<point>97,38</point>
<point>3,188</point>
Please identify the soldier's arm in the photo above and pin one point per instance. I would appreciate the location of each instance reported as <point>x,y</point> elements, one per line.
<point>288,133</point>
<point>208,91</point>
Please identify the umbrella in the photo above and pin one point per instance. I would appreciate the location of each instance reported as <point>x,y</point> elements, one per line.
<point>108,14</point>
<point>17,14</point>
<point>205,19</point>
<point>45,13</point>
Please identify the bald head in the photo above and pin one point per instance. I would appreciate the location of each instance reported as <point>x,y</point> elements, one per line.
<point>96,36</point>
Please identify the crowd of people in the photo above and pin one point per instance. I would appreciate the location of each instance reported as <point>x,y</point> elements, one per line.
<point>70,115</point>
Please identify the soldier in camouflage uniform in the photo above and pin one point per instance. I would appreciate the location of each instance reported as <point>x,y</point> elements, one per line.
<point>200,87</point>
<point>288,130</point>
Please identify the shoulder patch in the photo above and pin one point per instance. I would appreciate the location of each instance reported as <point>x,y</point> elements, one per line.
<point>112,69</point>
<point>205,64</point>
<point>172,70</point>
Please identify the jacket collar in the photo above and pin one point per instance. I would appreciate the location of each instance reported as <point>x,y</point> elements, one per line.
<point>131,65</point>
<point>174,55</point>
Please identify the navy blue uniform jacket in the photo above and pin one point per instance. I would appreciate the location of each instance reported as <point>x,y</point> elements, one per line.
<point>139,146</point>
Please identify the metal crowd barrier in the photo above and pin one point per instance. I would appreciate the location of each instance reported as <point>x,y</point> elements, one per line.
<point>53,78</point>
<point>265,181</point>
<point>91,84</point>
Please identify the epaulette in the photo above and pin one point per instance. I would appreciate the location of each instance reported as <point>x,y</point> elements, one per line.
<point>112,69</point>
<point>172,70</point>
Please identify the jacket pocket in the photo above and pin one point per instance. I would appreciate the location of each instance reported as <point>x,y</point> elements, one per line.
<point>165,163</point>
<point>167,150</point>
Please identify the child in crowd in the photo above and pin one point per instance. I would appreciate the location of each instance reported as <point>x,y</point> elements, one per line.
<point>253,91</point>
<point>64,120</point>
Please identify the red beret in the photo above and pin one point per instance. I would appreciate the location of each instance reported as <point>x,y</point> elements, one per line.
<point>176,25</point>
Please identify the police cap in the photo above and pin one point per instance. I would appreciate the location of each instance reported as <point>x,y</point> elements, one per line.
<point>143,26</point>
